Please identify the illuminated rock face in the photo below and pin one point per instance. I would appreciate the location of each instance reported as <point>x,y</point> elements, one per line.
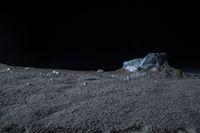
<point>152,62</point>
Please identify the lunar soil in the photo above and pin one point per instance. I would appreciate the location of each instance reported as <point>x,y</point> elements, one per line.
<point>47,101</point>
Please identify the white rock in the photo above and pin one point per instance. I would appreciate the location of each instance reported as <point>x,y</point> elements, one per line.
<point>100,71</point>
<point>152,62</point>
<point>55,72</point>
<point>128,78</point>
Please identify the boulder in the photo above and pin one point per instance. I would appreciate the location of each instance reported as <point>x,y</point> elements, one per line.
<point>152,62</point>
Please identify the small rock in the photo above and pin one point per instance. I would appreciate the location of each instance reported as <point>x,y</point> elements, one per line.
<point>112,76</point>
<point>55,72</point>
<point>8,69</point>
<point>128,78</point>
<point>154,69</point>
<point>100,71</point>
<point>85,83</point>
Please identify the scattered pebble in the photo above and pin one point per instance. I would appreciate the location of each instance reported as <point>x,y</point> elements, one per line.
<point>128,78</point>
<point>154,69</point>
<point>51,78</point>
<point>6,70</point>
<point>26,68</point>
<point>40,73</point>
<point>55,72</point>
<point>112,76</point>
<point>84,83</point>
<point>155,81</point>
<point>100,71</point>
<point>28,84</point>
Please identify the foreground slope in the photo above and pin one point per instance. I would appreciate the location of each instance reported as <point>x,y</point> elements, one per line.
<point>45,100</point>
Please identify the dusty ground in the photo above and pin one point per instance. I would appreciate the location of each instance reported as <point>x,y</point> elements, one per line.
<point>48,101</point>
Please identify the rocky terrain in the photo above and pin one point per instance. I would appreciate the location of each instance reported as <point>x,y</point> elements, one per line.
<point>56,101</point>
<point>45,100</point>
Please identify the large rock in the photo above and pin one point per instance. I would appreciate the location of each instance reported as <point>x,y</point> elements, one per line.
<point>152,62</point>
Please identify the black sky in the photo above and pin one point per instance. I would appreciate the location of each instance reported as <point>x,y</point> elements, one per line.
<point>71,36</point>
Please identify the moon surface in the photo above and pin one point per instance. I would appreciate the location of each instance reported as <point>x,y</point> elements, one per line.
<point>46,100</point>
